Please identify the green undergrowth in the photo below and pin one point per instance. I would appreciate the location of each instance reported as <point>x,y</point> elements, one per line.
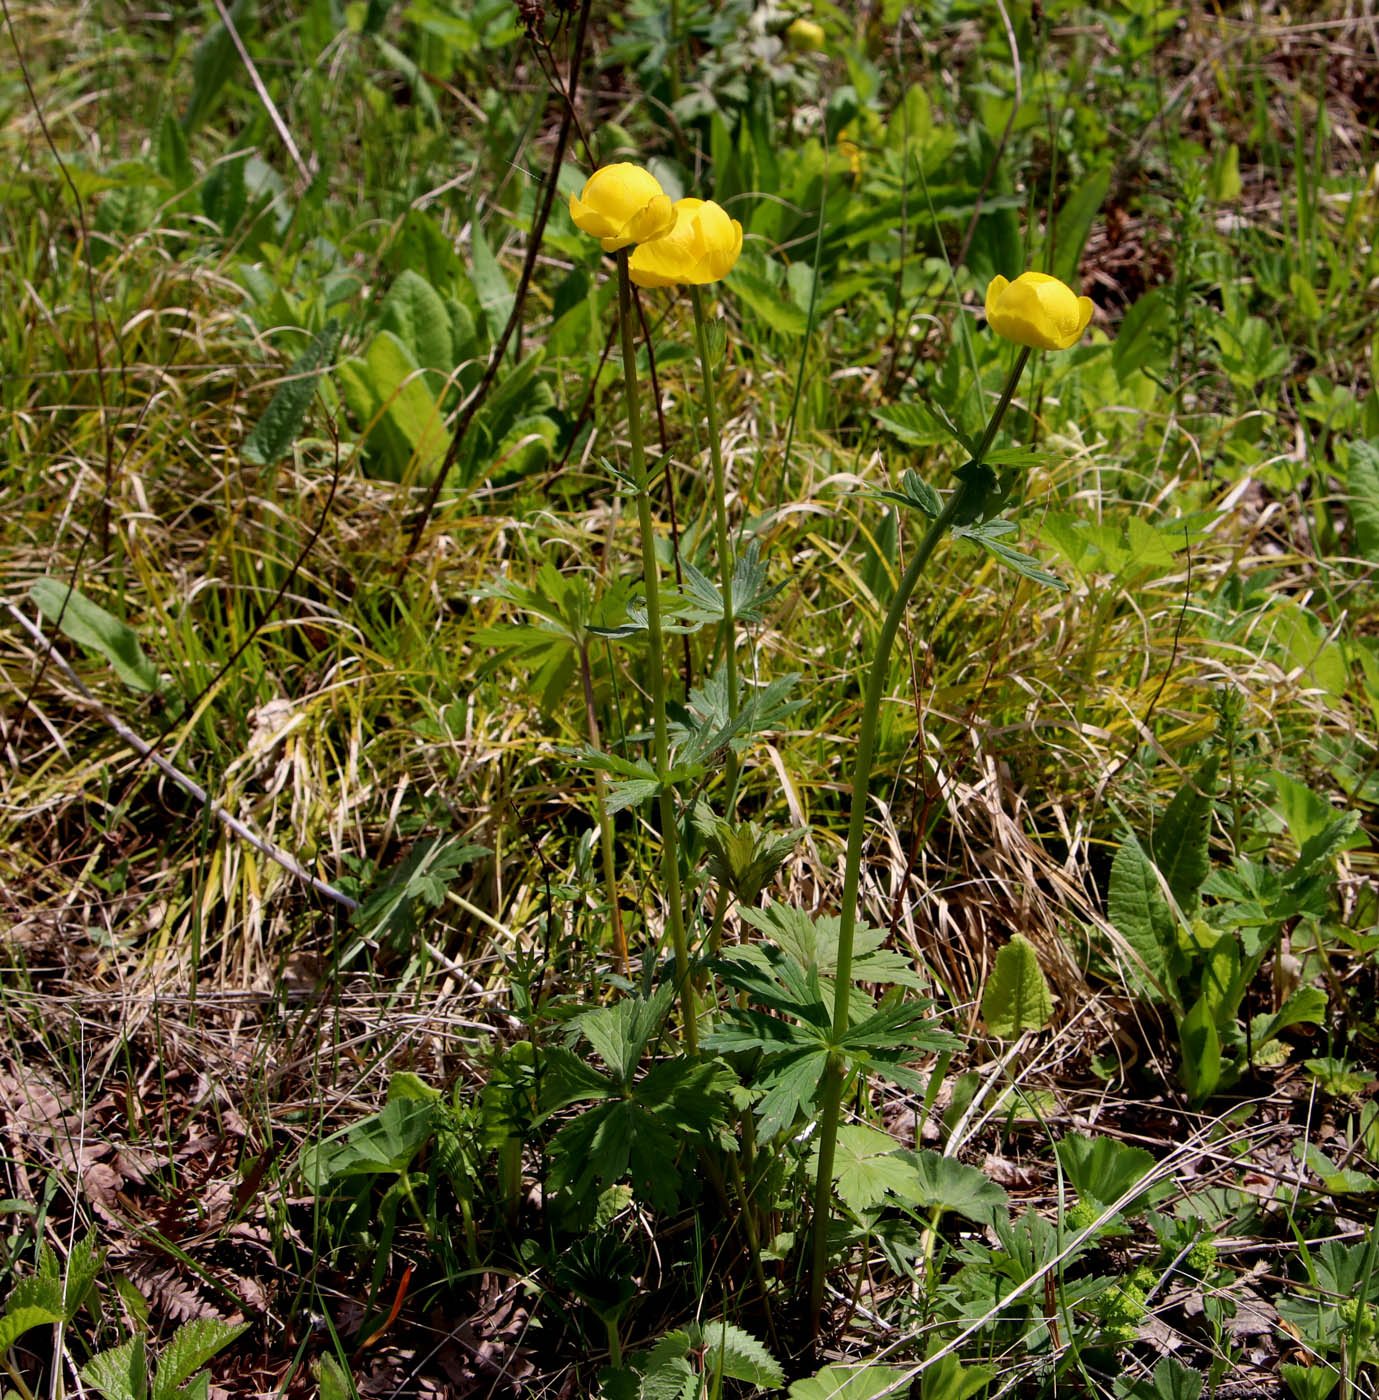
<point>1109,1045</point>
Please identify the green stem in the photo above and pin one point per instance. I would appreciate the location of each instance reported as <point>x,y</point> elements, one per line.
<point>831,1089</point>
<point>725,554</point>
<point>614,1342</point>
<point>610,877</point>
<point>670,856</point>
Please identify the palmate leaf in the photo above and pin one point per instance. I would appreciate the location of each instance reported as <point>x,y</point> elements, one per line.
<point>742,857</point>
<point>866,1166</point>
<point>701,729</point>
<point>812,941</point>
<point>621,1032</point>
<point>773,979</point>
<point>791,1085</point>
<point>384,1143</point>
<point>932,1180</point>
<point>431,866</point>
<point>1104,1169</point>
<point>852,1383</point>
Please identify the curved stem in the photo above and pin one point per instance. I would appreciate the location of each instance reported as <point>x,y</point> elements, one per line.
<point>831,1089</point>
<point>670,856</point>
<point>720,510</point>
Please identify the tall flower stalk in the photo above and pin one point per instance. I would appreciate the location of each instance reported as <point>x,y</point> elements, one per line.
<point>720,516</point>
<point>660,735</point>
<point>1037,312</point>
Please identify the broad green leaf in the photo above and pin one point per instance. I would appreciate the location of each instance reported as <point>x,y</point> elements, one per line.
<point>1172,1381</point>
<point>282,420</point>
<point>939,1182</point>
<point>1307,813</point>
<point>388,393</point>
<point>1141,916</point>
<point>620,1033</point>
<point>331,1379</point>
<point>730,1351</point>
<point>1309,1382</point>
<point>1201,1047</point>
<point>852,1383</point>
<point>83,1265</point>
<point>1074,222</point>
<point>192,1345</point>
<point>1137,342</point>
<point>1179,843</point>
<point>1362,499</point>
<point>949,1379</point>
<point>1102,1169</point>
<point>382,1144</point>
<point>495,296</point>
<point>1307,1004</point>
<point>414,311</point>
<point>20,1316</point>
<point>215,59</point>
<point>90,626</point>
<point>1016,998</point>
<point>174,161</point>
<point>915,494</point>
<point>121,1373</point>
<point>767,303</point>
<point>865,1166</point>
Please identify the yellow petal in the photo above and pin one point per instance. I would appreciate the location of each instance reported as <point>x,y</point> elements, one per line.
<point>1037,310</point>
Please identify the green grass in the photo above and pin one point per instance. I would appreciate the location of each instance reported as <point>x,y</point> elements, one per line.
<point>447,1138</point>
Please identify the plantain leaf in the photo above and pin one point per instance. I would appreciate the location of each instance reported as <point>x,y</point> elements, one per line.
<point>90,626</point>
<point>282,420</point>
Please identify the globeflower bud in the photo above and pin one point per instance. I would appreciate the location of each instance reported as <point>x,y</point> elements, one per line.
<point>804,36</point>
<point>622,204</point>
<point>1038,311</point>
<point>702,247</point>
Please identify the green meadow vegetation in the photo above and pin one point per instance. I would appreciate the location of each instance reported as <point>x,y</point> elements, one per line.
<point>586,814</point>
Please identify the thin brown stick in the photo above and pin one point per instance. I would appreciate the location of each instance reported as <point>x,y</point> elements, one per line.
<point>481,391</point>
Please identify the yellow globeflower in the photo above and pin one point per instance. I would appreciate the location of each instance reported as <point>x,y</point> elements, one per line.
<point>702,247</point>
<point>622,204</point>
<point>804,36</point>
<point>1037,310</point>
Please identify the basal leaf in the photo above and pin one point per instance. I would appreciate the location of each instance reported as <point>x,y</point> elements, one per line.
<point>852,1383</point>
<point>1179,843</point>
<point>90,626</point>
<point>1141,916</point>
<point>282,420</point>
<point>1016,998</point>
<point>1362,499</point>
<point>730,1351</point>
<point>866,1165</point>
<point>933,1180</point>
<point>192,1345</point>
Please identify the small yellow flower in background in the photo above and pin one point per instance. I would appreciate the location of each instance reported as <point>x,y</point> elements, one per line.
<point>702,247</point>
<point>804,36</point>
<point>623,204</point>
<point>1037,310</point>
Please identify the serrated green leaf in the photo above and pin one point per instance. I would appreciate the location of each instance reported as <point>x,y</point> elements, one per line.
<point>90,626</point>
<point>1179,842</point>
<point>935,1181</point>
<point>384,1143</point>
<point>19,1318</point>
<point>1141,916</point>
<point>730,1351</point>
<point>215,59</point>
<point>120,1373</point>
<point>1016,998</point>
<point>852,1383</point>
<point>987,535</point>
<point>282,420</point>
<point>866,1166</point>
<point>331,1379</point>
<point>192,1345</point>
<point>1306,1004</point>
<point>948,1379</point>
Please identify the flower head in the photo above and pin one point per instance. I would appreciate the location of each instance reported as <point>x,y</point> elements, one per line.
<point>622,204</point>
<point>1037,310</point>
<point>702,247</point>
